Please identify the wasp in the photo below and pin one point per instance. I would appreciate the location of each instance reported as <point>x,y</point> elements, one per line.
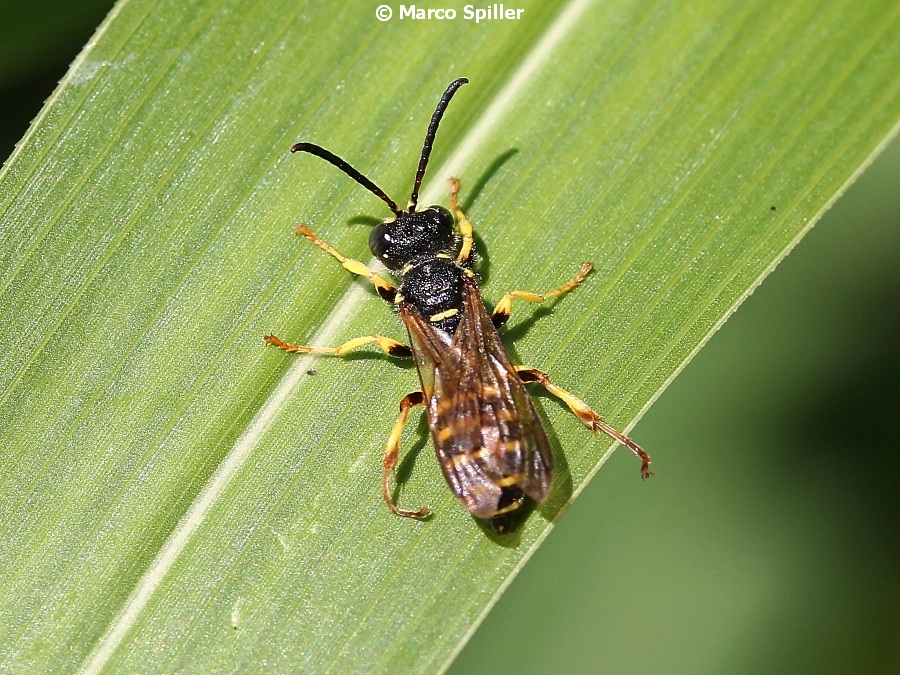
<point>487,435</point>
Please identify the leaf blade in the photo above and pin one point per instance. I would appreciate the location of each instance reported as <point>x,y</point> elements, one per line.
<point>223,262</point>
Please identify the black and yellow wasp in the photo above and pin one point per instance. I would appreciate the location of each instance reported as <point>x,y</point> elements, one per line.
<point>487,434</point>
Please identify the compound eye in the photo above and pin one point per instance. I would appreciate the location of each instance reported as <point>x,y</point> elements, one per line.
<point>441,226</point>
<point>444,233</point>
<point>383,244</point>
<point>445,218</point>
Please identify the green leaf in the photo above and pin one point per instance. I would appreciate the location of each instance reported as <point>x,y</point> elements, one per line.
<point>176,497</point>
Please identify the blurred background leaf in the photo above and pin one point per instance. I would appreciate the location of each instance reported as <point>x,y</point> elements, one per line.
<point>767,509</point>
<point>38,41</point>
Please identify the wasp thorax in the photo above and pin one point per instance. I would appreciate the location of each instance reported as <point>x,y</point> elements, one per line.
<point>412,236</point>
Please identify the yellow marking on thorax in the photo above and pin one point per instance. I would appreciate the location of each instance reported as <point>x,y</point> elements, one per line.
<point>445,434</point>
<point>506,481</point>
<point>434,318</point>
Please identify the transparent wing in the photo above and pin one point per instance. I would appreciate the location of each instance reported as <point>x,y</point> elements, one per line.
<point>487,435</point>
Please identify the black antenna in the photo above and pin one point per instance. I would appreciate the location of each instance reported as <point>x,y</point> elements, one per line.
<point>330,157</point>
<point>429,138</point>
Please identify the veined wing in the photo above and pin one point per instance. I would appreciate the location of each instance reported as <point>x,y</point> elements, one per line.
<point>487,435</point>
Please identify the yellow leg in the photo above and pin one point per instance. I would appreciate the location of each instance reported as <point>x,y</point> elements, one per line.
<point>385,288</point>
<point>385,344</point>
<point>391,453</point>
<point>464,224</point>
<point>504,307</point>
<point>588,417</point>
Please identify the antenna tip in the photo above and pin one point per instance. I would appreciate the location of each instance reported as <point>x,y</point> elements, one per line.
<point>298,147</point>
